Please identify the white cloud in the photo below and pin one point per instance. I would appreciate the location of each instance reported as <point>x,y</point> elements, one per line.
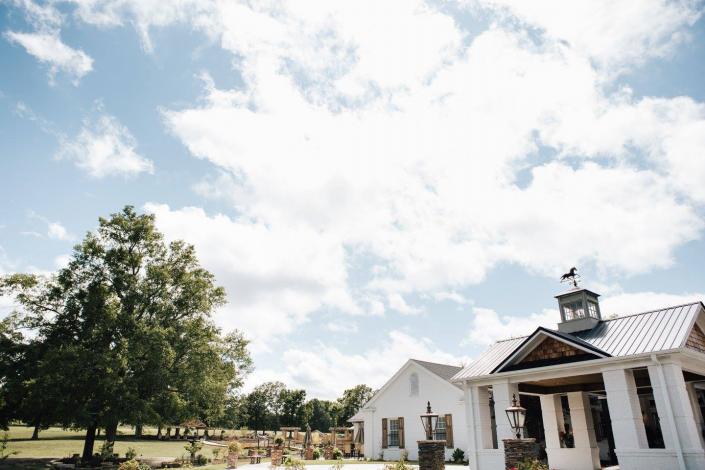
<point>105,147</point>
<point>329,370</point>
<point>487,326</point>
<point>635,302</point>
<point>344,326</point>
<point>48,48</point>
<point>58,232</point>
<point>612,33</point>
<point>275,276</point>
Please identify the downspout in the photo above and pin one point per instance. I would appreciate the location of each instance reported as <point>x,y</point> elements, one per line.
<point>669,410</point>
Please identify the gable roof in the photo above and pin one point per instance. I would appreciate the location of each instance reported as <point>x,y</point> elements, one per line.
<point>534,339</point>
<point>640,333</point>
<point>444,371</point>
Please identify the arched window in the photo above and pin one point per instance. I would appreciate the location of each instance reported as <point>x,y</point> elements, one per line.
<point>414,385</point>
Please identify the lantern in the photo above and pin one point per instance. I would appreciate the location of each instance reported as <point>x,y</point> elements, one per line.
<point>516,415</point>
<point>429,421</point>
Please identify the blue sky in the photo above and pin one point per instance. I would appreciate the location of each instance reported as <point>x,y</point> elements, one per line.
<point>370,181</point>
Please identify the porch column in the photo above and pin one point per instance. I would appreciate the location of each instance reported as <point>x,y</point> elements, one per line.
<point>676,417</point>
<point>693,395</point>
<point>479,423</point>
<point>552,415</point>
<point>584,430</point>
<point>503,393</point>
<point>625,412</point>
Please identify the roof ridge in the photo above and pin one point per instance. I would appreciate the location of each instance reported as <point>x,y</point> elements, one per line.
<point>654,310</point>
<point>512,338</point>
<point>435,363</point>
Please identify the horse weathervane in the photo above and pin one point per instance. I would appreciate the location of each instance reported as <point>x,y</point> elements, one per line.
<point>571,276</point>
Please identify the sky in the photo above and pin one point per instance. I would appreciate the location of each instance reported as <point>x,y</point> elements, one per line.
<point>370,181</point>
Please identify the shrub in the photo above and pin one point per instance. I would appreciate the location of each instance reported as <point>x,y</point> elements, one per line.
<point>532,464</point>
<point>131,453</point>
<point>337,454</point>
<point>292,463</point>
<point>201,460</point>
<point>316,454</point>
<point>235,447</point>
<point>398,465</point>
<point>133,465</point>
<point>279,441</point>
<point>106,450</point>
<point>192,448</point>
<point>458,456</point>
<point>338,465</point>
<point>4,453</point>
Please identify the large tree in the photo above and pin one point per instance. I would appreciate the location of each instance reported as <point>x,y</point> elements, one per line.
<point>126,332</point>
<point>352,400</point>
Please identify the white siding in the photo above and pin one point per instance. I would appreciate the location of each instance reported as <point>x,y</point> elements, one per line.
<point>395,401</point>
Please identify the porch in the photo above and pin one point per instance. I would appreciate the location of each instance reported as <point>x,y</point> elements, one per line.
<point>639,413</point>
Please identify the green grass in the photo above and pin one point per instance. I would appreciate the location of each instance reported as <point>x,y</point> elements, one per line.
<point>58,443</point>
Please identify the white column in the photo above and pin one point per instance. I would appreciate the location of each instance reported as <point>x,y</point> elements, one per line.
<point>552,415</point>
<point>503,393</point>
<point>483,420</point>
<point>686,427</point>
<point>584,429</point>
<point>693,395</point>
<point>625,412</point>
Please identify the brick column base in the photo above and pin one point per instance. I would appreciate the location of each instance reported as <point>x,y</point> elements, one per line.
<point>518,450</point>
<point>328,453</point>
<point>432,455</point>
<point>308,453</point>
<point>232,459</point>
<point>277,454</point>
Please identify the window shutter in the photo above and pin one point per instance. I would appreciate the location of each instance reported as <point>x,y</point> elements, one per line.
<point>449,431</point>
<point>384,433</point>
<point>401,432</point>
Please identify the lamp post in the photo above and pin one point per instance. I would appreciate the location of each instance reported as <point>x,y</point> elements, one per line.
<point>516,415</point>
<point>429,421</point>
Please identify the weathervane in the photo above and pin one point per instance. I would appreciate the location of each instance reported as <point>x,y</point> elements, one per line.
<point>571,276</point>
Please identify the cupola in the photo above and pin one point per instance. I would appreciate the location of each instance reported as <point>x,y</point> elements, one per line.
<point>580,310</point>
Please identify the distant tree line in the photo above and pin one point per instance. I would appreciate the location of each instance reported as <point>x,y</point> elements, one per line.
<point>271,406</point>
<point>123,334</point>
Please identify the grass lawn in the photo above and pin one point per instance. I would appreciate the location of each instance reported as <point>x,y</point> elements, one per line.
<point>57,443</point>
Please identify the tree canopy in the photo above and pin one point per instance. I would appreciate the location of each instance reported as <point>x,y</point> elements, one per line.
<point>121,334</point>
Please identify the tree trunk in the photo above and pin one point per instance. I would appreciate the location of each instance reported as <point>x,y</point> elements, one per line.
<point>168,432</point>
<point>177,433</point>
<point>35,433</point>
<point>89,442</point>
<point>138,431</point>
<point>159,431</point>
<point>111,431</point>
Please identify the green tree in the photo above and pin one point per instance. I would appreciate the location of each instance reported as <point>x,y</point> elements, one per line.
<point>352,400</point>
<point>292,407</point>
<point>319,412</point>
<point>127,324</point>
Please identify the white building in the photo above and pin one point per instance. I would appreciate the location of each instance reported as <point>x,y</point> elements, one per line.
<point>390,420</point>
<point>627,391</point>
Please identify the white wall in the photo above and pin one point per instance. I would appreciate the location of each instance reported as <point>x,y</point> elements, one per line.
<point>395,401</point>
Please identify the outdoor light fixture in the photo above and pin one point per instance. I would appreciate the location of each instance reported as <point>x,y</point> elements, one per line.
<point>516,415</point>
<point>429,421</point>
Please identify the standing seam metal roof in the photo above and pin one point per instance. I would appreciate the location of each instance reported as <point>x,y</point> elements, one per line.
<point>653,331</point>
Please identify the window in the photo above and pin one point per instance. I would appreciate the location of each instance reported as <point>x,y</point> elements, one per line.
<point>592,309</point>
<point>440,434</point>
<point>393,433</point>
<point>414,385</point>
<point>573,310</point>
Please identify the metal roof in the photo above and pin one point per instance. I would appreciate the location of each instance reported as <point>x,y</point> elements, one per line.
<point>653,331</point>
<point>444,371</point>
